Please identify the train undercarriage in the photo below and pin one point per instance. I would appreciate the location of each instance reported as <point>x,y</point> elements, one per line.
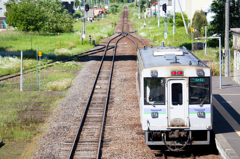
<point>177,139</point>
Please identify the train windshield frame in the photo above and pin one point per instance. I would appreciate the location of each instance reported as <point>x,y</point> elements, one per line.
<point>154,91</point>
<point>199,90</point>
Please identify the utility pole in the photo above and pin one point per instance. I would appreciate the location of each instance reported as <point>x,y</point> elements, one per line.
<point>155,9</point>
<point>37,66</point>
<point>174,16</point>
<point>227,53</point>
<point>158,13</point>
<point>139,9</point>
<point>183,17</point>
<point>84,17</point>
<point>21,77</point>
<point>205,40</point>
<point>147,3</point>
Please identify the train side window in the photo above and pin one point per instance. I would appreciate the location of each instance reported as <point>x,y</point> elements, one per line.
<point>199,90</point>
<point>154,91</point>
<point>177,94</point>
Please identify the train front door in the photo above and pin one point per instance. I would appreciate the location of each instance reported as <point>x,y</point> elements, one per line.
<point>177,103</point>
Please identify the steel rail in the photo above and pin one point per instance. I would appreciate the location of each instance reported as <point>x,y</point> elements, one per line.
<point>133,36</point>
<point>107,99</point>
<point>108,92</point>
<point>139,40</point>
<point>72,151</point>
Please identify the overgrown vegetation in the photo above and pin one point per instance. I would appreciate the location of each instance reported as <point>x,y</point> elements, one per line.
<point>22,113</point>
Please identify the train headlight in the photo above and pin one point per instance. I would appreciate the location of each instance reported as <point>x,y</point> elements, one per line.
<point>200,72</point>
<point>200,114</point>
<point>154,114</point>
<point>154,73</point>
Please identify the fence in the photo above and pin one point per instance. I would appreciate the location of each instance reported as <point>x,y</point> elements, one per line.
<point>236,66</point>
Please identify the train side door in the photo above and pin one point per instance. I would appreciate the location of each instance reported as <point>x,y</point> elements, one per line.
<point>177,103</point>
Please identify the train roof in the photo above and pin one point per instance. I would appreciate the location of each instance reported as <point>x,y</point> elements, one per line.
<point>167,56</point>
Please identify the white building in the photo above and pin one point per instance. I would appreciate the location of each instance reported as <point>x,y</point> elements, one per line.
<point>188,6</point>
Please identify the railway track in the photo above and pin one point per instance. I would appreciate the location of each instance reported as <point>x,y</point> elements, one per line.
<point>88,140</point>
<point>49,64</point>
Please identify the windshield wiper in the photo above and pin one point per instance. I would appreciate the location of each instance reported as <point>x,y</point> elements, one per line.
<point>203,101</point>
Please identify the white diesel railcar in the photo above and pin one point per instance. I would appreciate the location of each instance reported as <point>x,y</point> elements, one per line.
<point>175,97</point>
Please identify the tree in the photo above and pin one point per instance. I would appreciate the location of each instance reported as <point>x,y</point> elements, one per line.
<point>45,15</point>
<point>77,3</point>
<point>24,15</point>
<point>114,8</point>
<point>199,20</point>
<point>56,18</point>
<point>218,23</point>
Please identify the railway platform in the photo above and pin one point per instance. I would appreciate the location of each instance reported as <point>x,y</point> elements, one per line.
<point>226,118</point>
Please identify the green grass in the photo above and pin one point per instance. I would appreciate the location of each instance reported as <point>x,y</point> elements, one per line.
<point>52,46</point>
<point>19,111</point>
<point>22,113</point>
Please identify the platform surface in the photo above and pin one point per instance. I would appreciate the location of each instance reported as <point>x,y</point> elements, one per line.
<point>226,118</point>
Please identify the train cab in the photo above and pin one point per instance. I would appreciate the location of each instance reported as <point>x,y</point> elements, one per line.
<point>174,97</point>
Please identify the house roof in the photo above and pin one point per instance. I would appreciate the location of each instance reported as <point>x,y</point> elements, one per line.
<point>235,30</point>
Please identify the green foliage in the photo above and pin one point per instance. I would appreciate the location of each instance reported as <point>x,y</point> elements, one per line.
<point>218,23</point>
<point>131,5</point>
<point>25,15</point>
<point>78,14</point>
<point>199,20</point>
<point>43,15</point>
<point>77,3</point>
<point>114,8</point>
<point>57,19</point>
<point>178,19</point>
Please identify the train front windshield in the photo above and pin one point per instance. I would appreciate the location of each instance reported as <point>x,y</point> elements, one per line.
<point>199,90</point>
<point>154,91</point>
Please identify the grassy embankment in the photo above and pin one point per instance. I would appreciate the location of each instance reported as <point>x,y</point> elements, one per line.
<point>23,113</point>
<point>51,45</point>
<point>181,38</point>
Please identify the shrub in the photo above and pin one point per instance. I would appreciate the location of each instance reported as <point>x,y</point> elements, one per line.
<point>178,19</point>
<point>59,85</point>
